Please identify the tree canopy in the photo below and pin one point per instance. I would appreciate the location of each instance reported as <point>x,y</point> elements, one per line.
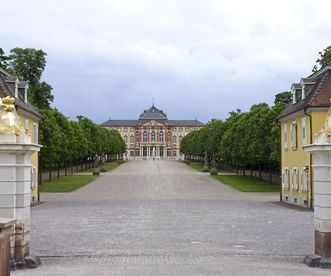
<point>244,139</point>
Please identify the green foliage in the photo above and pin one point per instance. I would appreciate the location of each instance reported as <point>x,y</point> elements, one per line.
<point>66,140</point>
<point>283,99</point>
<point>325,57</point>
<point>3,60</point>
<point>244,139</point>
<point>28,63</point>
<point>40,95</point>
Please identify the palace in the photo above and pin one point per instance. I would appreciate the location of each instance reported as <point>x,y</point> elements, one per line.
<point>152,134</point>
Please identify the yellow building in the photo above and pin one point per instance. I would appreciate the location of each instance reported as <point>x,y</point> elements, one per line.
<point>30,118</point>
<point>300,121</point>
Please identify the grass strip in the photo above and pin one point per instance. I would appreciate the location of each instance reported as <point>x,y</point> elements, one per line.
<point>247,183</point>
<point>66,183</point>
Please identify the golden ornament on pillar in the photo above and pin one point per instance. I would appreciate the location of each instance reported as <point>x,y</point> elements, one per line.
<point>9,120</point>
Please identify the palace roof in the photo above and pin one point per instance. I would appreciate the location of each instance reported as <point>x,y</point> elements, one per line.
<point>317,92</point>
<point>153,113</point>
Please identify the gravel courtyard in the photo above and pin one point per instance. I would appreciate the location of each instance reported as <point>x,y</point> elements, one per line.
<point>163,218</point>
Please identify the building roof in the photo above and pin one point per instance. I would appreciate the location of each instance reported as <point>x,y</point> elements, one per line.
<point>185,123</point>
<point>153,113</point>
<point>6,89</point>
<point>120,123</point>
<point>318,94</point>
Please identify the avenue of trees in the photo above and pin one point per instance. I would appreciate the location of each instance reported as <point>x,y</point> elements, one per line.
<point>245,140</point>
<point>65,142</point>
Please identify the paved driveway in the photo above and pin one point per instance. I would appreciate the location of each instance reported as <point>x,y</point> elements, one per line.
<point>163,218</point>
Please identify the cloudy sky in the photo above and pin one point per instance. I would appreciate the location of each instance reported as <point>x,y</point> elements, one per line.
<point>204,58</point>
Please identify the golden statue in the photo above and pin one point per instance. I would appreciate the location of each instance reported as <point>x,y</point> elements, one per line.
<point>9,120</point>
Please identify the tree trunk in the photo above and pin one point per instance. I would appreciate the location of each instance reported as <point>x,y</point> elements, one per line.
<point>50,172</point>
<point>260,172</point>
<point>251,170</point>
<point>270,175</point>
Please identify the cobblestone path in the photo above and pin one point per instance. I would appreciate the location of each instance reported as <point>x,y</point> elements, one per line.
<point>163,218</point>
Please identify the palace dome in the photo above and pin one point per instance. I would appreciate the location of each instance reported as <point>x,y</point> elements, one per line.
<point>153,113</point>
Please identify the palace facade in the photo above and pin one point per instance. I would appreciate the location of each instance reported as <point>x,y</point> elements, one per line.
<point>300,122</point>
<point>152,134</point>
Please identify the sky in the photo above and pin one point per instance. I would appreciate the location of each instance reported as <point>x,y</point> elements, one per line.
<point>196,59</point>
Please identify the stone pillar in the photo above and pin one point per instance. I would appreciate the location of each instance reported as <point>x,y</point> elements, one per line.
<point>15,175</point>
<point>321,153</point>
<point>5,233</point>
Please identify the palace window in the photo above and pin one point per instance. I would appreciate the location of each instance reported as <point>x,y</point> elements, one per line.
<point>304,131</point>
<point>131,138</point>
<point>294,135</point>
<point>285,178</point>
<point>180,129</point>
<point>174,139</point>
<point>125,138</point>
<point>125,129</point>
<point>137,136</point>
<point>174,153</point>
<point>285,137</point>
<point>153,136</point>
<point>295,179</point>
<point>161,136</point>
<point>180,138</point>
<point>305,179</point>
<point>145,136</point>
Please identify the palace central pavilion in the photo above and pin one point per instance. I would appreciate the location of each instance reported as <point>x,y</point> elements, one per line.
<point>152,134</point>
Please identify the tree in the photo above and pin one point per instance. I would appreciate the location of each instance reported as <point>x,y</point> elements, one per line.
<point>40,95</point>
<point>3,60</point>
<point>325,57</point>
<point>28,63</point>
<point>283,99</point>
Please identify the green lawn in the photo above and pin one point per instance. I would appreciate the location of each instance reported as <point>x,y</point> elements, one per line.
<point>110,166</point>
<point>107,166</point>
<point>247,184</point>
<point>196,166</point>
<point>199,167</point>
<point>66,183</point>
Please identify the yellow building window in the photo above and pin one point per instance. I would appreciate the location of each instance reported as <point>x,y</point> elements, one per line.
<point>295,181</point>
<point>285,137</point>
<point>305,179</point>
<point>294,137</point>
<point>304,131</point>
<point>285,178</point>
